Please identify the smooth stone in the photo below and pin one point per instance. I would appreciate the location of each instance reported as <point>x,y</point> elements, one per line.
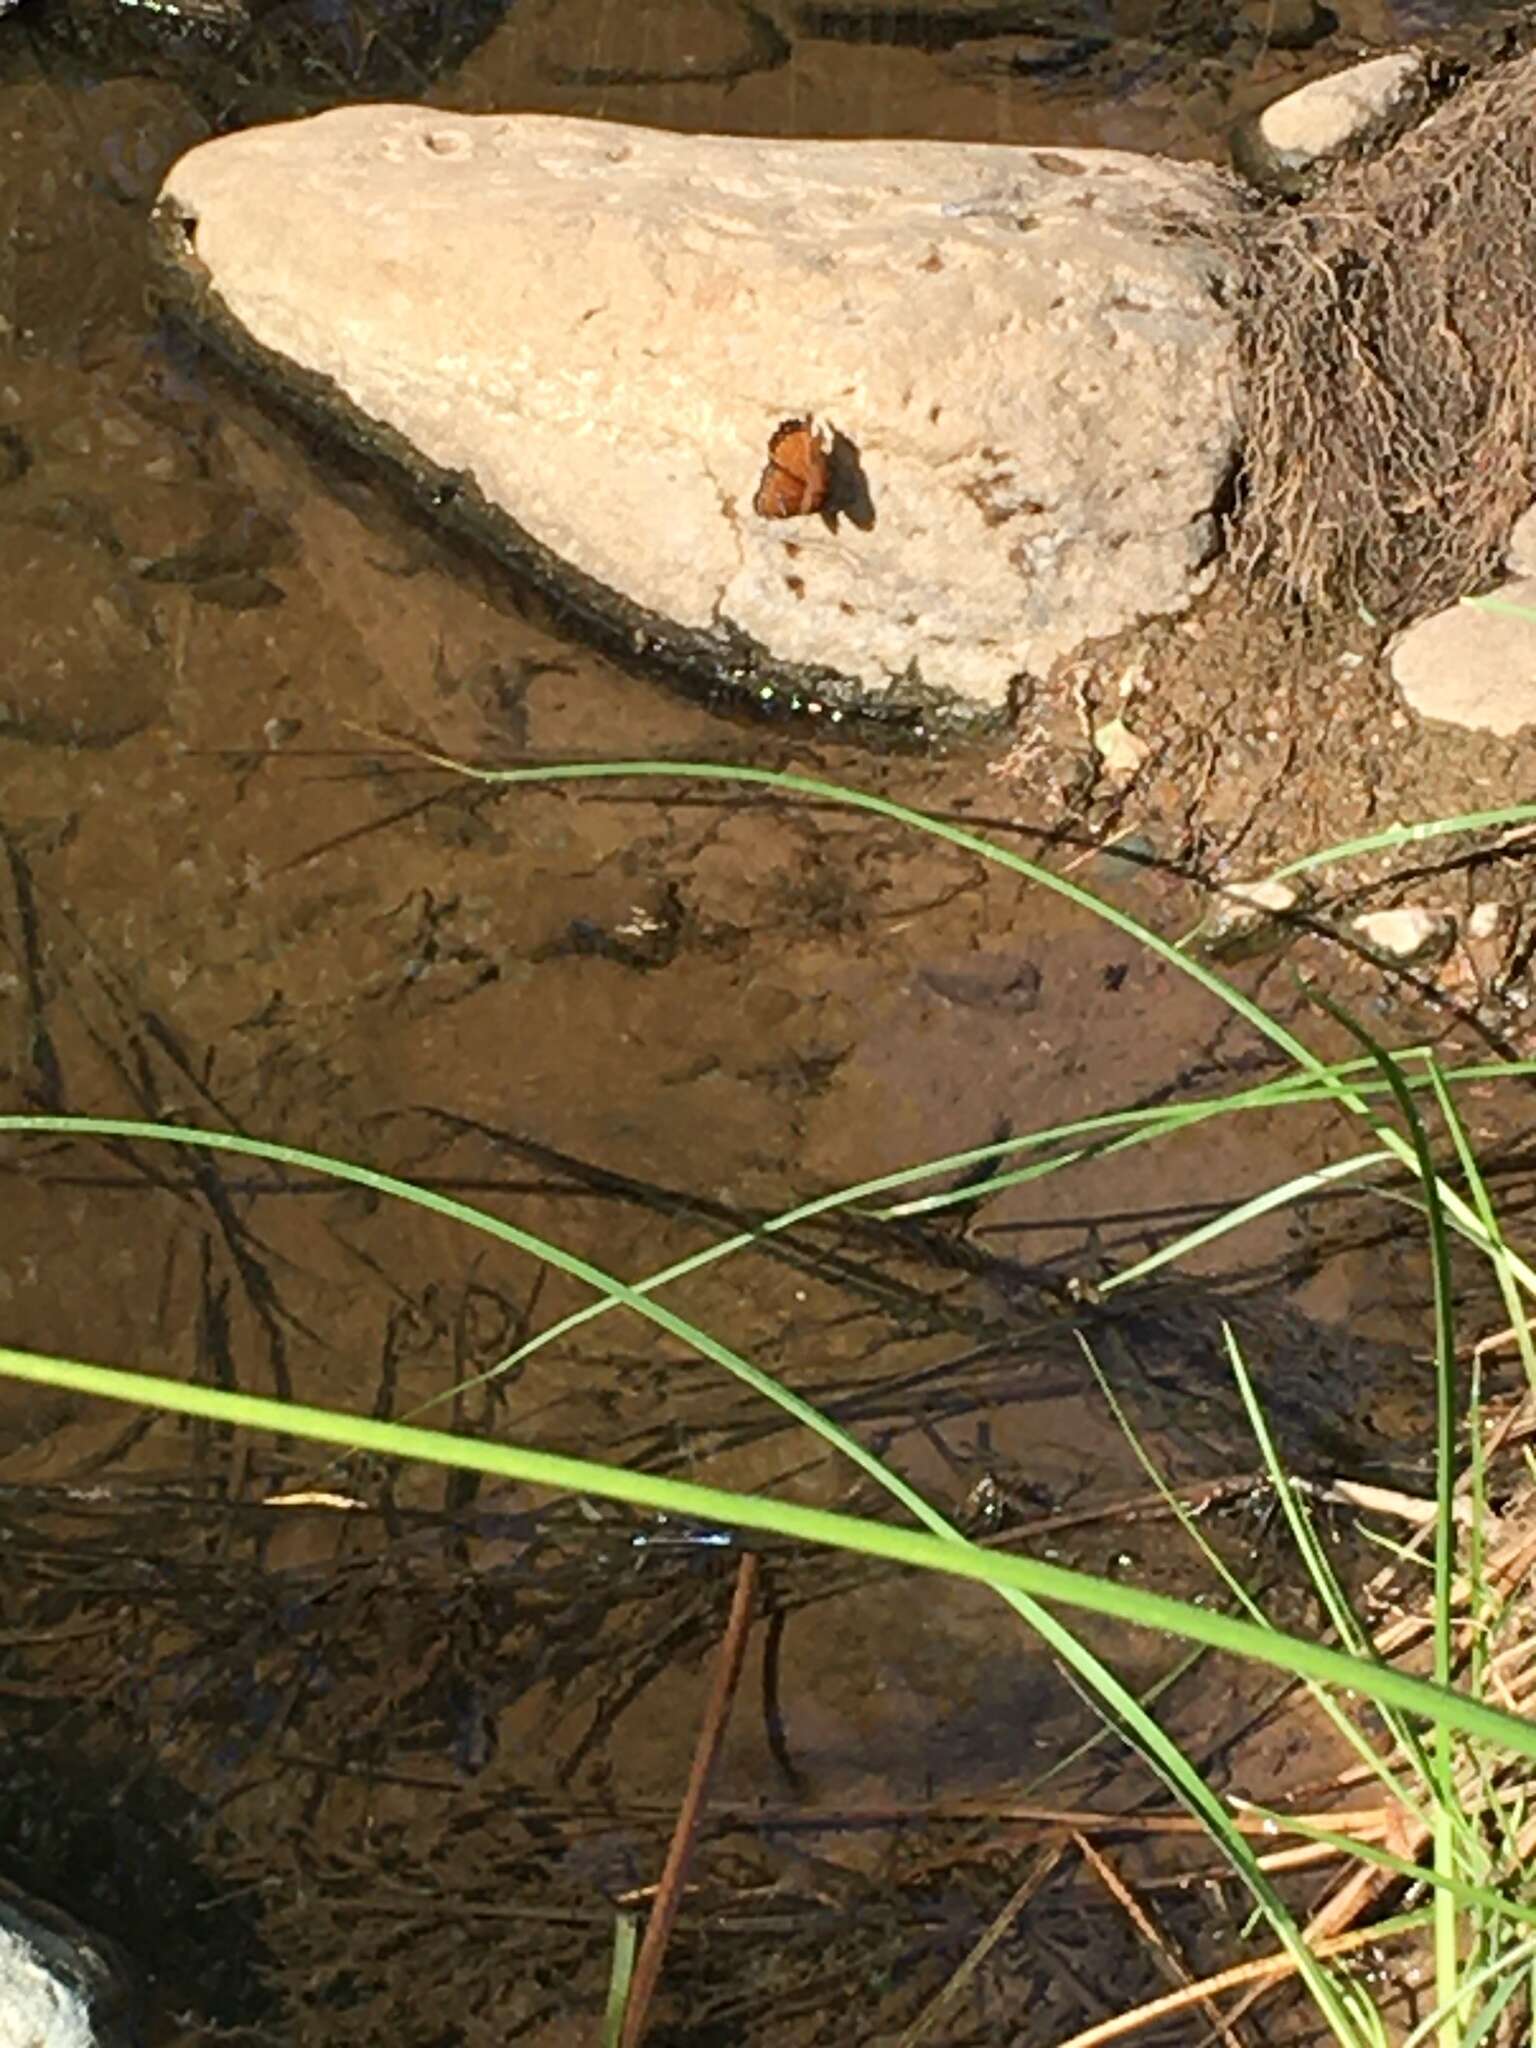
<point>1320,123</point>
<point>1409,933</point>
<point>1265,898</point>
<point>585,333</point>
<point>1472,666</point>
<point>1122,752</point>
<point>60,1985</point>
<point>1248,918</point>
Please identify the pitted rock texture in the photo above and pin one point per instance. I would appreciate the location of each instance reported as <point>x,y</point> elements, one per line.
<point>1021,357</point>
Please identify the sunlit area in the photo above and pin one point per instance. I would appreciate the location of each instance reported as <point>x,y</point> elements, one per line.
<point>766,1043</point>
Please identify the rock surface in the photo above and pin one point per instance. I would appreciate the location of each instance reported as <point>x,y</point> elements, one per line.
<point>1474,665</point>
<point>585,334</point>
<point>1331,118</point>
<point>1520,555</point>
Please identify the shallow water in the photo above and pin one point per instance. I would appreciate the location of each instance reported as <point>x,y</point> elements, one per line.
<point>631,1018</point>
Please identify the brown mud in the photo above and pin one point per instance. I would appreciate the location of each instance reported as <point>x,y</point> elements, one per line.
<point>386,1772</point>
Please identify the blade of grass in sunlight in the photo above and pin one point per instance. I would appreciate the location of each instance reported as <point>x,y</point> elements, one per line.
<point>1289,1089</point>
<point>1447,1815</point>
<point>1498,1249</point>
<point>1353,1638</point>
<point>1506,1973</point>
<point>508,1233</point>
<point>1393,836</point>
<point>952,1556</point>
<point>622,1970</point>
<point>1146,1125</point>
<point>1457,1890</point>
<point>1320,1573</point>
<point>1342,1172</point>
<point>1449,1824</point>
<point>1114,1699</point>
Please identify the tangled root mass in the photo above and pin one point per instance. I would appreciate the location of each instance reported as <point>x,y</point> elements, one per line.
<point>1390,365</point>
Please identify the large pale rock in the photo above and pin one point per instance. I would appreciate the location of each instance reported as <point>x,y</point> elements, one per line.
<point>585,333</point>
<point>1475,664</point>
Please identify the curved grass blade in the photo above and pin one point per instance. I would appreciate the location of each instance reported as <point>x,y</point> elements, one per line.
<point>949,1556</point>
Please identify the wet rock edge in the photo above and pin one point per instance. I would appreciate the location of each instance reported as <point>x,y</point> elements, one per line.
<point>729,670</point>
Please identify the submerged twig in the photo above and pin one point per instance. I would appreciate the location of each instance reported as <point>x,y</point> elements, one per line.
<point>669,1891</point>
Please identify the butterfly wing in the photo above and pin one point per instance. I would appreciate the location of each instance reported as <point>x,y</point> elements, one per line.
<point>797,476</point>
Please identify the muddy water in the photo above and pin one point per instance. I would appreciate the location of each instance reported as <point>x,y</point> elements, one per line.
<point>388,1766</point>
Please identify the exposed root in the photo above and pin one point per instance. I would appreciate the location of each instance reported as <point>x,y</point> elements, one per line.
<point>1390,365</point>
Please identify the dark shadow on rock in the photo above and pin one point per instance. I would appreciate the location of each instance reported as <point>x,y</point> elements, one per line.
<point>848,494</point>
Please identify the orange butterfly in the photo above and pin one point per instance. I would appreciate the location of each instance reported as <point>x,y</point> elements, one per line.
<point>798,475</point>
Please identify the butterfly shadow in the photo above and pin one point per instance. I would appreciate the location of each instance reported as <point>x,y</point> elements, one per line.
<point>848,495</point>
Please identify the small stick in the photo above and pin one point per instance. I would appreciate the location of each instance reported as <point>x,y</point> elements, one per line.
<point>1172,1965</point>
<point>1264,1969</point>
<point>669,1891</point>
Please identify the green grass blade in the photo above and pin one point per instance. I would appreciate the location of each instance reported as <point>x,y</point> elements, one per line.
<point>1482,1202</point>
<point>508,1233</point>
<point>949,1556</point>
<point>1394,836</point>
<point>1446,1807</point>
<point>1241,1213</point>
<point>1325,1583</point>
<point>1458,1890</point>
<point>620,1976</point>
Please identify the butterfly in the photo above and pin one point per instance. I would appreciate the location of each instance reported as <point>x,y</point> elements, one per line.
<point>798,474</point>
